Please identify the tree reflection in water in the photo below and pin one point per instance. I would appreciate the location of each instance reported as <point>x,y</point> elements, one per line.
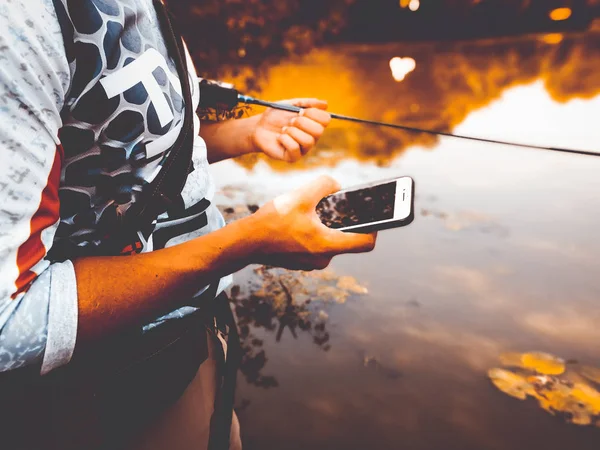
<point>450,81</point>
<point>274,300</point>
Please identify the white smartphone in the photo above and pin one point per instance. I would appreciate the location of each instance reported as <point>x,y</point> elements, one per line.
<point>371,207</point>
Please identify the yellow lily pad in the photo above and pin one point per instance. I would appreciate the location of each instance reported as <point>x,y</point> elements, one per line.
<point>510,383</point>
<point>543,363</point>
<point>562,393</point>
<point>587,395</point>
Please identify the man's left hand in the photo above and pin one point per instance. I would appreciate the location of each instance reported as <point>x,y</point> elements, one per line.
<point>288,136</point>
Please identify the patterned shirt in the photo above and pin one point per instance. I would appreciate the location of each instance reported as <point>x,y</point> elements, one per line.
<point>90,104</point>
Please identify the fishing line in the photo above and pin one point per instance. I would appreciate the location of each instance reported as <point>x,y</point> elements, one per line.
<point>214,95</point>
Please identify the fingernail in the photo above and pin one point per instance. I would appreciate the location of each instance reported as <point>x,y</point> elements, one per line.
<point>301,113</point>
<point>292,121</point>
<point>283,130</point>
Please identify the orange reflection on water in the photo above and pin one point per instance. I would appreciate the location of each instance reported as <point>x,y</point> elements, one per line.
<point>552,38</point>
<point>451,81</point>
<point>559,14</point>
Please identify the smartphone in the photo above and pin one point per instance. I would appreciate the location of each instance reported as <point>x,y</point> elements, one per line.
<point>368,208</point>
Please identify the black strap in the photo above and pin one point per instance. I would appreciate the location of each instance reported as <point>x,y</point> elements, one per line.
<point>220,424</point>
<point>164,191</point>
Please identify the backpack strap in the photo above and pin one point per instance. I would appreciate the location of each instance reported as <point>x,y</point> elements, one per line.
<point>164,192</point>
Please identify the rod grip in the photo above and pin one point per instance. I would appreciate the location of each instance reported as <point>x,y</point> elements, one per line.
<point>215,96</point>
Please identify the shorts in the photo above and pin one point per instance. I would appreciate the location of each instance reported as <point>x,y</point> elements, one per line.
<point>162,390</point>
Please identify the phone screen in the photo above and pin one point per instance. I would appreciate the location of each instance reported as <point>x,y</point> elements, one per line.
<point>358,207</point>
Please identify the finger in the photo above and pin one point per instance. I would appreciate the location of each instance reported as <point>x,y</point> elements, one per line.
<point>321,187</point>
<point>342,242</point>
<point>315,129</point>
<point>292,148</point>
<point>321,263</point>
<point>318,115</point>
<point>275,150</point>
<point>307,103</point>
<point>307,197</point>
<point>305,140</point>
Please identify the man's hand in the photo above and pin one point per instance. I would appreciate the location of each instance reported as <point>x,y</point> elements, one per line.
<point>291,234</point>
<point>289,136</point>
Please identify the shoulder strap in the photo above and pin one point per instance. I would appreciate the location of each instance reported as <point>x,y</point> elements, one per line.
<point>166,188</point>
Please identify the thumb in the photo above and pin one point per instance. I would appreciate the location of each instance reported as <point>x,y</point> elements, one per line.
<point>308,195</point>
<point>321,187</point>
<point>342,242</point>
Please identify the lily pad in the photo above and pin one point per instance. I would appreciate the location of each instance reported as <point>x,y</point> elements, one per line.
<point>543,363</point>
<point>563,393</point>
<point>510,383</point>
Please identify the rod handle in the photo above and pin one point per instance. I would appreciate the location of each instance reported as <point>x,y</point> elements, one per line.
<point>215,96</point>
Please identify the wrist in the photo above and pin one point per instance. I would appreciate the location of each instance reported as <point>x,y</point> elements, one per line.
<point>229,139</point>
<point>235,246</point>
<point>253,233</point>
<point>249,126</point>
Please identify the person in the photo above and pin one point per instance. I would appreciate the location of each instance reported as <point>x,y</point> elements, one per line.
<point>109,338</point>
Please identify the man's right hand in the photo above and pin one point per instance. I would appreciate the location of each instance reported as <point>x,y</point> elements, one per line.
<point>292,235</point>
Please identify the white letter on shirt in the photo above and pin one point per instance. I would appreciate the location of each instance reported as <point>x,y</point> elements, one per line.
<point>140,71</point>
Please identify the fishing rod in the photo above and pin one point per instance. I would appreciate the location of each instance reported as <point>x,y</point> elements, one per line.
<point>214,96</point>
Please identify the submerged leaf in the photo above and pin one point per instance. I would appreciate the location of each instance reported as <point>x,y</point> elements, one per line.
<point>510,383</point>
<point>350,284</point>
<point>587,395</point>
<point>331,293</point>
<point>543,363</point>
<point>566,395</point>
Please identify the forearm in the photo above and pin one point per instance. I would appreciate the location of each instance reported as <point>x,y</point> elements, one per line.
<point>228,139</point>
<point>119,292</point>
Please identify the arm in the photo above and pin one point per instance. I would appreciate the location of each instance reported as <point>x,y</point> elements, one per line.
<point>228,139</point>
<point>279,134</point>
<point>117,292</point>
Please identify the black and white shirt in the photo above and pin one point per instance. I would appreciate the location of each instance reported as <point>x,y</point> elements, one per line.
<point>90,103</point>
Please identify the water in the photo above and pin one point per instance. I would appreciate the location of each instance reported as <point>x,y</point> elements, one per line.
<point>502,255</point>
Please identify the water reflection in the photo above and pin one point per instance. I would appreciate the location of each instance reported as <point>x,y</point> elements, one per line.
<point>401,67</point>
<point>281,301</point>
<point>502,257</point>
<point>449,82</point>
<point>569,393</point>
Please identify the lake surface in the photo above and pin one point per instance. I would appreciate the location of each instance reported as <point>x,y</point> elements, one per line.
<point>503,255</point>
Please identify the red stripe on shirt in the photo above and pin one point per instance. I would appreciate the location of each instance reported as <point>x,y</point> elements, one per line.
<point>32,250</point>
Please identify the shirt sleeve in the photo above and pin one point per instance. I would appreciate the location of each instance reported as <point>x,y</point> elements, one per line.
<point>38,300</point>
